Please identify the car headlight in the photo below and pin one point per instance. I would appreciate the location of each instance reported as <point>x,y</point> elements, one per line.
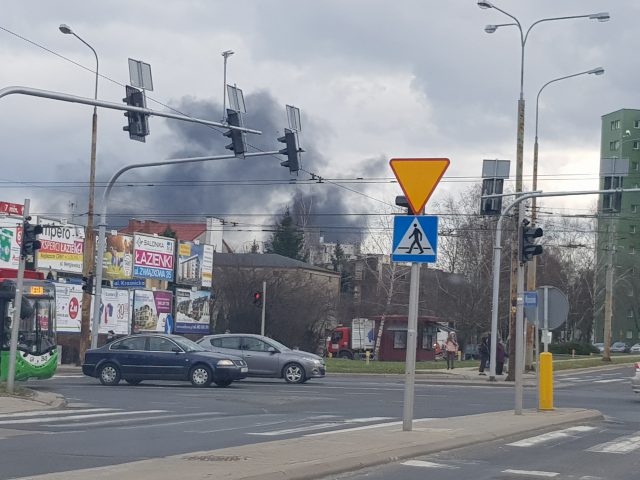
<point>225,363</point>
<point>319,363</point>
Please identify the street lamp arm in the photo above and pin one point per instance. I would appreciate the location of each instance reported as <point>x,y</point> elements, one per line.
<point>571,17</point>
<point>97,62</point>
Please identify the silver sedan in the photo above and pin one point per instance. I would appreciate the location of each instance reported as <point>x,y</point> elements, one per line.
<point>267,358</point>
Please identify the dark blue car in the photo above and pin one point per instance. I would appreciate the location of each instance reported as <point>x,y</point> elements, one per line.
<point>161,357</point>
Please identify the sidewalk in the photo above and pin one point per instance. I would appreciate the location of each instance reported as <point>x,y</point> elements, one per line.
<point>330,453</point>
<point>38,401</point>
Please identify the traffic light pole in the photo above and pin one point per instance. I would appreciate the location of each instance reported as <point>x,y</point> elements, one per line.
<point>102,228</point>
<point>412,341</point>
<point>17,304</point>
<point>497,252</point>
<point>264,306</point>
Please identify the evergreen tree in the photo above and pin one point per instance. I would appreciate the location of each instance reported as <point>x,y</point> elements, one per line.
<point>337,258</point>
<point>255,248</point>
<point>287,240</point>
<point>168,232</point>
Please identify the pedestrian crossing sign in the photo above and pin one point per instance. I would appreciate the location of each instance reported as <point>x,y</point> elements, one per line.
<point>415,238</point>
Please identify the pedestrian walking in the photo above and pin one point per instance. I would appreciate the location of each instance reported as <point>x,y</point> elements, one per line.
<point>111,336</point>
<point>499,358</point>
<point>451,346</point>
<point>485,350</point>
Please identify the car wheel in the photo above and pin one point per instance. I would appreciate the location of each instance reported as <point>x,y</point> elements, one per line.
<point>200,376</point>
<point>223,383</point>
<point>294,373</point>
<point>133,381</point>
<point>345,355</point>
<point>109,374</point>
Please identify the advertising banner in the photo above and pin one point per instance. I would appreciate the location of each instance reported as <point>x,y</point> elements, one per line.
<point>10,239</point>
<point>68,307</point>
<point>150,310</point>
<point>117,262</point>
<point>195,263</point>
<point>153,257</point>
<point>114,311</point>
<point>62,247</point>
<point>192,311</point>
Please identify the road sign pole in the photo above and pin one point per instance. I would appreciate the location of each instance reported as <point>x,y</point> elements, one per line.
<point>545,331</point>
<point>410,368</point>
<point>519,360</point>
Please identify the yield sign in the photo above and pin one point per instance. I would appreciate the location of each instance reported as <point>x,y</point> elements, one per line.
<point>418,178</point>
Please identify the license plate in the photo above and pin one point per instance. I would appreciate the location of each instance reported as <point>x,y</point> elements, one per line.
<point>244,369</point>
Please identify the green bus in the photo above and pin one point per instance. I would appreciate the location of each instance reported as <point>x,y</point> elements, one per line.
<point>37,355</point>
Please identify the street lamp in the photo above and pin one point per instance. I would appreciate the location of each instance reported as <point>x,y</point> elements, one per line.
<point>89,243</point>
<point>519,328</point>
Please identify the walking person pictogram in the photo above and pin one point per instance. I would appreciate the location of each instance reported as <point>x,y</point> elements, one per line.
<point>417,238</point>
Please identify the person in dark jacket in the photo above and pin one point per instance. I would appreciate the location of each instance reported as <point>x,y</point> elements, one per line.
<point>499,358</point>
<point>485,352</point>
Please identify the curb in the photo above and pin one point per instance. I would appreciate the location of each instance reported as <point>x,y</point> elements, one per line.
<point>53,400</point>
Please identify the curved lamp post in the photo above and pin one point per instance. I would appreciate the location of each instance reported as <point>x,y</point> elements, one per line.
<point>519,326</point>
<point>89,243</point>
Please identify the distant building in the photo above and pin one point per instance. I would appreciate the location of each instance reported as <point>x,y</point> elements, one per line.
<point>618,232</point>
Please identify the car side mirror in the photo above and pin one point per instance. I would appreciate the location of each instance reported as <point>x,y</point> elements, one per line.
<point>272,350</point>
<point>176,349</point>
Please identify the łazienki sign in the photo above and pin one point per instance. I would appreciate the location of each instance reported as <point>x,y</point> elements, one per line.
<point>154,257</point>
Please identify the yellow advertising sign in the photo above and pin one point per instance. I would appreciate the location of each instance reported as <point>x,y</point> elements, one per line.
<point>418,178</point>
<point>184,249</point>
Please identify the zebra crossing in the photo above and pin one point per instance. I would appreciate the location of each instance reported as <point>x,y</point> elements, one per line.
<point>592,378</point>
<point>581,440</point>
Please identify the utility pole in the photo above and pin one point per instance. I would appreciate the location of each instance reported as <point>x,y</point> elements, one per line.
<point>17,307</point>
<point>264,306</point>
<point>608,293</point>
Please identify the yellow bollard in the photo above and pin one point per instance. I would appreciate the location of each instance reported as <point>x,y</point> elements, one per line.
<point>367,354</point>
<point>546,382</point>
<point>459,355</point>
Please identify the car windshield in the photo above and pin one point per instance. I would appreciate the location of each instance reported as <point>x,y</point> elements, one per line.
<point>279,346</point>
<point>187,345</point>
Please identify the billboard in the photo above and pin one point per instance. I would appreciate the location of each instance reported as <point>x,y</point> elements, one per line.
<point>10,240</point>
<point>62,247</point>
<point>68,307</point>
<point>192,311</point>
<point>195,264</point>
<point>150,310</point>
<point>117,263</point>
<point>114,311</point>
<point>153,257</point>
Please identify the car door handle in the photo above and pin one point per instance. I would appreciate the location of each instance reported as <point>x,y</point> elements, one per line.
<point>247,356</point>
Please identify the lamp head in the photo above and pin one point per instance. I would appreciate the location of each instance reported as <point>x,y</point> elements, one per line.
<point>490,28</point>
<point>65,28</point>
<point>597,71</point>
<point>601,17</point>
<point>484,4</point>
<point>227,53</point>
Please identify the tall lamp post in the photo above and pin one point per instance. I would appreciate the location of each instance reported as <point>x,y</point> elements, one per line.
<point>89,242</point>
<point>519,270</point>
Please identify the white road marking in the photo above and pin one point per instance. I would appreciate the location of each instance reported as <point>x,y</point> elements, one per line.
<point>421,463</point>
<point>532,473</point>
<point>75,417</point>
<point>610,380</point>
<point>37,413</point>
<point>306,428</point>
<point>620,445</point>
<point>68,376</point>
<point>365,427</point>
<point>547,437</point>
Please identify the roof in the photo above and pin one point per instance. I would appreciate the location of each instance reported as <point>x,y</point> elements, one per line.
<point>264,260</point>
<point>184,231</point>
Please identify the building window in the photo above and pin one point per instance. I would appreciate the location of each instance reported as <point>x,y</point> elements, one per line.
<point>636,146</point>
<point>427,338</point>
<point>400,339</point>
<point>632,250</point>
<point>629,334</point>
<point>636,124</point>
<point>630,313</point>
<point>615,124</point>
<point>615,145</point>
<point>634,165</point>
<point>632,229</point>
<point>612,201</point>
<point>634,208</point>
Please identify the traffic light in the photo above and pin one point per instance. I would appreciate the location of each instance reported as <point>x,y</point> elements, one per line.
<point>138,123</point>
<point>257,299</point>
<point>87,284</point>
<point>29,241</point>
<point>401,201</point>
<point>528,247</point>
<point>291,150</point>
<point>238,143</point>
<point>492,205</point>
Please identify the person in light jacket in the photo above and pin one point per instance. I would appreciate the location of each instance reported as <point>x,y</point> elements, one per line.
<point>451,347</point>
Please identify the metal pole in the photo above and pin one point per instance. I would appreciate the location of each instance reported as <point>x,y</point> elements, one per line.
<point>410,369</point>
<point>102,227</point>
<point>226,54</point>
<point>519,331</point>
<point>264,306</point>
<point>608,294</point>
<point>545,330</point>
<point>64,97</point>
<point>17,307</point>
<point>497,250</point>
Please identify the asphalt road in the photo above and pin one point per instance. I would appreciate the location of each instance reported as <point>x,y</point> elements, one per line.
<point>110,425</point>
<point>606,450</point>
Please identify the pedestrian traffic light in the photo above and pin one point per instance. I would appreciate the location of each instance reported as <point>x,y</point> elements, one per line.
<point>291,150</point>
<point>30,244</point>
<point>138,123</point>
<point>528,247</point>
<point>238,143</point>
<point>87,284</point>
<point>257,299</point>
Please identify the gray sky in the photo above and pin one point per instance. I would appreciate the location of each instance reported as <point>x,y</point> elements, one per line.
<point>374,79</point>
